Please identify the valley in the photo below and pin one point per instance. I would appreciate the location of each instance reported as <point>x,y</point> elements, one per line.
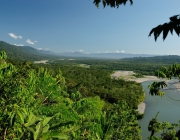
<point>86,86</point>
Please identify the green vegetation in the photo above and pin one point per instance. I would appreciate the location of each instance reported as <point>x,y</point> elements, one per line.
<point>36,103</point>
<point>168,131</point>
<point>138,75</point>
<point>143,65</point>
<point>167,73</point>
<point>93,82</point>
<point>23,53</point>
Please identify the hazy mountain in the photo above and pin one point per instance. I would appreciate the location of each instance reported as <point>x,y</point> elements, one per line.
<point>118,55</point>
<point>103,55</point>
<point>32,54</point>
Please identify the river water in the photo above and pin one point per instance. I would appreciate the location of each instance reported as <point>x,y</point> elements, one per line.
<point>169,110</point>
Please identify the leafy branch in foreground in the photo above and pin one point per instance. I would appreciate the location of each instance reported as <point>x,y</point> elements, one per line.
<point>168,131</point>
<point>154,88</point>
<point>112,3</point>
<point>164,72</point>
<point>174,24</point>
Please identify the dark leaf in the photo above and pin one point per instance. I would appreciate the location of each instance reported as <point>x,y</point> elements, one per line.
<point>104,3</point>
<point>177,30</point>
<point>166,27</point>
<point>131,2</point>
<point>112,3</point>
<point>174,18</point>
<point>151,31</point>
<point>165,31</point>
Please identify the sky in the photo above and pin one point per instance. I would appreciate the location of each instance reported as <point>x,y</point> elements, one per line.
<point>78,25</point>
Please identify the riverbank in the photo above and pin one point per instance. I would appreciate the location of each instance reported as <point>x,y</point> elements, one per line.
<point>177,85</point>
<point>128,76</point>
<point>141,108</point>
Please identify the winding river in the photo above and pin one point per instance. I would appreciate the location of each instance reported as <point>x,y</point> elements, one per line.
<point>169,110</point>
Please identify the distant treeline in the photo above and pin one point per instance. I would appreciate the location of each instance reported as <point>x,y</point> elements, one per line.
<point>143,65</point>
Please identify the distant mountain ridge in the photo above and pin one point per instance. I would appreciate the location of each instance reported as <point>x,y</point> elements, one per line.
<point>28,53</point>
<point>22,53</point>
<point>103,55</point>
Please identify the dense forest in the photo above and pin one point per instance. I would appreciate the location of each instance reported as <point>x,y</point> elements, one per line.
<point>38,103</point>
<point>73,98</point>
<point>144,65</point>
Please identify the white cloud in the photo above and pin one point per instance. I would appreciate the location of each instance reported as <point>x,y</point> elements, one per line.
<point>19,44</point>
<point>39,49</point>
<point>14,36</point>
<point>46,49</point>
<point>30,42</point>
<point>117,51</point>
<point>122,51</point>
<point>79,50</point>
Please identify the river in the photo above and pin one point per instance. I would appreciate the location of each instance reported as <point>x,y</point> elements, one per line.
<point>169,110</point>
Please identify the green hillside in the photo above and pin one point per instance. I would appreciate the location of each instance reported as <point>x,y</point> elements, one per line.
<point>22,53</point>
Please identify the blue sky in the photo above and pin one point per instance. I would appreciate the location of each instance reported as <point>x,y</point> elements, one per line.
<point>77,25</point>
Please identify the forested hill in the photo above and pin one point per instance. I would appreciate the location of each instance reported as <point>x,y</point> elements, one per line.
<point>166,59</point>
<point>22,53</point>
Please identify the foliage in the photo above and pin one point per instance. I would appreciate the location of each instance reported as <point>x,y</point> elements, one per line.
<point>35,105</point>
<point>164,72</point>
<point>168,131</point>
<point>112,3</point>
<point>154,88</point>
<point>138,75</point>
<point>92,82</point>
<point>174,24</point>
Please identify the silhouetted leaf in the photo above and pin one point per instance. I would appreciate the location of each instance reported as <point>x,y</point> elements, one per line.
<point>166,27</point>
<point>104,3</point>
<point>112,3</point>
<point>165,31</point>
<point>131,1</point>
<point>151,31</point>
<point>177,30</point>
<point>174,18</point>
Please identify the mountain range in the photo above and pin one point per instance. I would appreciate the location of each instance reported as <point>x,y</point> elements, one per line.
<point>28,53</point>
